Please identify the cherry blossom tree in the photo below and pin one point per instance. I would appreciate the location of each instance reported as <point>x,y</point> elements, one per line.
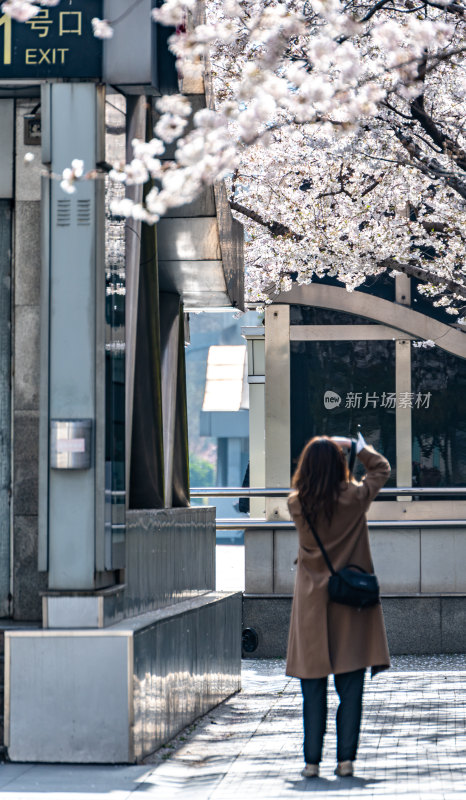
<point>350,190</point>
<point>339,127</point>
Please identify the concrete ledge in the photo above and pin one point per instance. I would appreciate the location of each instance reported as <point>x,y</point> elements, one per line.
<point>85,609</point>
<point>416,624</point>
<point>116,694</point>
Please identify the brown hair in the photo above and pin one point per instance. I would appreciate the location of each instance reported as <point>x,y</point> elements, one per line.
<point>321,469</point>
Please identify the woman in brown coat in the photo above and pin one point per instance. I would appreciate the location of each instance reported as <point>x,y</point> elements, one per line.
<point>330,638</point>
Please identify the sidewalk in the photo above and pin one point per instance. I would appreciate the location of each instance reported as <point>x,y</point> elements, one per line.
<point>413,745</point>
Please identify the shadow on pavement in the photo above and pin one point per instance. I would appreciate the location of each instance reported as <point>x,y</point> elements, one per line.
<point>330,785</point>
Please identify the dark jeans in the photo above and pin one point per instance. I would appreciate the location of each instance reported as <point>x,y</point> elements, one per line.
<point>349,686</point>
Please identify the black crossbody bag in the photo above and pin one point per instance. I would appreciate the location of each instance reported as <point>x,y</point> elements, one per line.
<point>352,585</point>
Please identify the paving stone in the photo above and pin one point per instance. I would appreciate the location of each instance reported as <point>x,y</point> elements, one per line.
<point>413,739</point>
<point>413,745</point>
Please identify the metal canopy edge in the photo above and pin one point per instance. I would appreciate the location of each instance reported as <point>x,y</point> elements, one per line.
<point>201,256</point>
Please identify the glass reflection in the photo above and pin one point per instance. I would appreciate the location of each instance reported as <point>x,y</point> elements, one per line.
<point>312,315</point>
<point>336,386</point>
<point>115,336</point>
<point>439,425</point>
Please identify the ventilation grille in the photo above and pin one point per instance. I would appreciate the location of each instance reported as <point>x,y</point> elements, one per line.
<point>84,212</point>
<point>63,213</point>
<point>66,211</point>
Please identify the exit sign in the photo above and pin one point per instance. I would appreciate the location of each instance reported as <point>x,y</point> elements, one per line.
<point>57,43</point>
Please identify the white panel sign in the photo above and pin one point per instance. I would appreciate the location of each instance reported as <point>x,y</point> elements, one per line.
<point>71,445</point>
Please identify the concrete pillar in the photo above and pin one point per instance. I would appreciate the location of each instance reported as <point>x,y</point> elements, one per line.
<point>403,415</point>
<point>72,344</point>
<point>277,407</point>
<point>255,338</point>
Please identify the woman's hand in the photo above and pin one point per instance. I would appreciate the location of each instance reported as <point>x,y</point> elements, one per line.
<point>342,441</point>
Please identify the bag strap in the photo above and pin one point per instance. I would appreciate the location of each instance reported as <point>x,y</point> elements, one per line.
<point>319,542</point>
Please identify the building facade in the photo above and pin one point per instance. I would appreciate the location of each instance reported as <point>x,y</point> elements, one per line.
<point>115,638</point>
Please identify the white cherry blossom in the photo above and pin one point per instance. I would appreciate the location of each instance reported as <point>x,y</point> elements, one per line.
<point>170,127</point>
<point>172,12</point>
<point>102,29</point>
<point>20,10</point>
<point>175,104</point>
<point>71,175</point>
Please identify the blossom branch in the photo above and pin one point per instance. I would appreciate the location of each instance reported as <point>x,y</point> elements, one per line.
<point>431,166</point>
<point>453,285</point>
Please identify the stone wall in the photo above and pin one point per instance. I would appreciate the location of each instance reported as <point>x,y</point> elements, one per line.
<point>26,313</point>
<point>415,625</point>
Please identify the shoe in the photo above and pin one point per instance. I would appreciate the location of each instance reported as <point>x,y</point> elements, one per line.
<point>310,771</point>
<point>344,769</point>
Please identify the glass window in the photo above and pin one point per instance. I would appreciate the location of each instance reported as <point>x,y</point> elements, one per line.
<point>438,418</point>
<point>336,386</point>
<point>311,315</point>
<point>115,338</point>
<point>424,305</point>
<point>382,286</point>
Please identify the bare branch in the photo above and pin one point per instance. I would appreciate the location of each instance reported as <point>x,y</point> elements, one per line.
<point>374,10</point>
<point>451,8</point>
<point>341,190</point>
<point>371,186</point>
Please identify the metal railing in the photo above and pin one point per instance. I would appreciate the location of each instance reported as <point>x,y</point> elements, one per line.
<point>393,491</point>
<point>246,523</point>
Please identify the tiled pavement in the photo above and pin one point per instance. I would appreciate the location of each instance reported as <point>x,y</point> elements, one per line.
<point>413,745</point>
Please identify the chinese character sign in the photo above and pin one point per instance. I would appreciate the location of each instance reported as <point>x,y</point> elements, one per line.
<point>385,400</point>
<point>57,43</point>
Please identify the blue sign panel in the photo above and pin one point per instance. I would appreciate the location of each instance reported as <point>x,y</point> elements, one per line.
<point>57,43</point>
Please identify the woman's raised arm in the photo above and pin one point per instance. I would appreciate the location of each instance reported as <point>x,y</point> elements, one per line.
<point>377,473</point>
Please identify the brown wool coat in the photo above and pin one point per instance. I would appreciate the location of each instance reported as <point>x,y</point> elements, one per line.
<point>329,638</point>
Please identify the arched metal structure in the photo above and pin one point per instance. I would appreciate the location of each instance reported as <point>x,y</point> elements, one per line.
<point>397,315</point>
